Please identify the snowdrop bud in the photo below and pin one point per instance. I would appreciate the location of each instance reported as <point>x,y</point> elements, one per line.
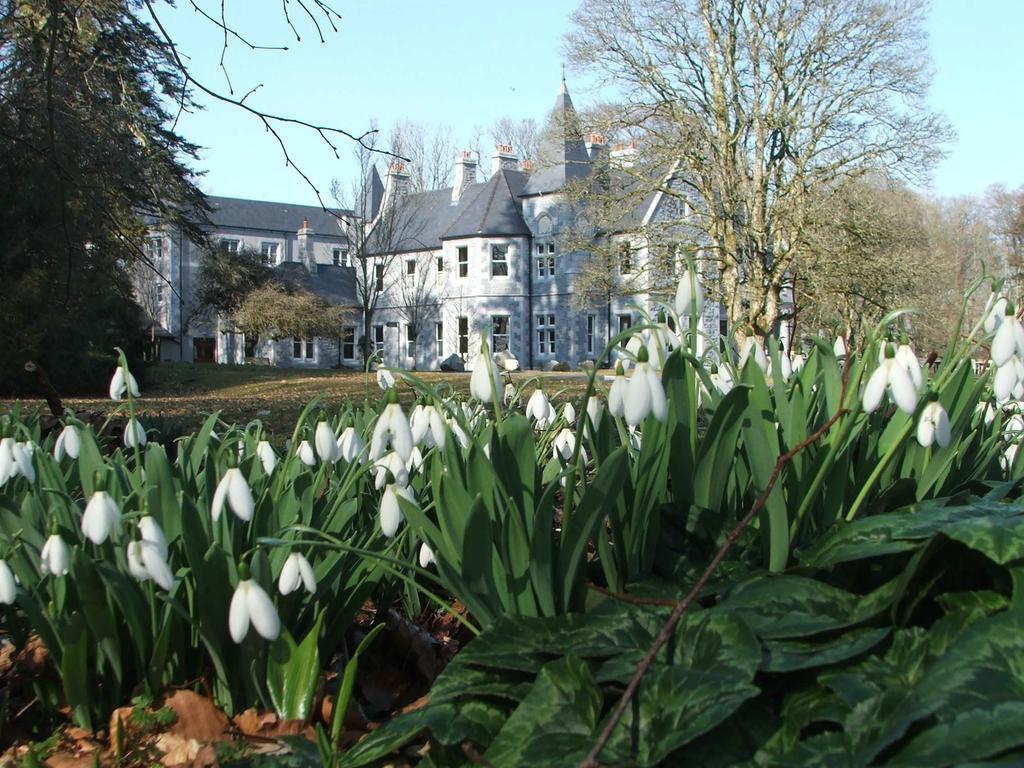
<point>564,445</point>
<point>55,557</point>
<point>385,378</point>
<point>326,443</point>
<point>134,434</point>
<point>296,572</point>
<point>798,361</point>
<point>510,394</point>
<point>538,408</point>
<point>933,426</point>
<point>251,603</point>
<point>68,443</point>
<point>119,384</point>
<point>391,430</point>
<point>426,555</point>
<point>1009,338</point>
<point>8,588</point>
<point>390,510</point>
<point>689,295</point>
<point>350,445</point>
<point>484,381</point>
<point>267,457</point>
<point>8,469</point>
<point>102,515</point>
<point>752,348</point>
<point>905,357</point>
<point>839,347</point>
<point>617,393</point>
<point>569,413</point>
<point>595,410</point>
<point>644,393</point>
<point>233,488</point>
<point>995,310</point>
<point>305,454</point>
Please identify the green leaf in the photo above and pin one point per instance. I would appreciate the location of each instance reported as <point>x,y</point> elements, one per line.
<point>292,673</point>
<point>791,655</point>
<point>718,449</point>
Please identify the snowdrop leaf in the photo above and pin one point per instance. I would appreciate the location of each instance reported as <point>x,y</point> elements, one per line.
<point>292,673</point>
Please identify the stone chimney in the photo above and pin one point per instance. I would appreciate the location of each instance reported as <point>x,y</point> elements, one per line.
<point>465,174</point>
<point>624,155</point>
<point>397,180</point>
<point>504,159</point>
<point>305,246</point>
<point>595,145</point>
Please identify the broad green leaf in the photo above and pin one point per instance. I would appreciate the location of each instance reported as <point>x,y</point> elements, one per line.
<point>292,673</point>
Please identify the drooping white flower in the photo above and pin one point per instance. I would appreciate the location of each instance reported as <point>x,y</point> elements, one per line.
<point>644,394</point>
<point>798,361</point>
<point>595,410</point>
<point>385,378</point>
<point>146,561</point>
<point>1007,457</point>
<point>101,516</point>
<point>458,433</point>
<point>933,427</point>
<point>16,459</point>
<point>390,462</point>
<point>151,533</point>
<point>426,555</point>
<point>134,434</point>
<point>390,510</point>
<point>995,310</point>
<point>351,445</point>
<point>415,462</point>
<point>326,443</point>
<point>689,294</point>
<point>722,379</point>
<point>908,360</point>
<point>839,347</point>
<point>564,445</point>
<point>251,603</point>
<point>392,431</point>
<point>510,393</point>
<point>1009,338</point>
<point>569,413</point>
<point>539,409</point>
<point>119,385</point>
<point>296,572</point>
<point>233,488</point>
<point>1008,377</point>
<point>752,348</point>
<point>67,443</point>
<point>617,392</point>
<point>8,468</point>
<point>55,557</point>
<point>8,587</point>
<point>893,378</point>
<point>485,379</point>
<point>267,457</point>
<point>427,426</point>
<point>305,454</point>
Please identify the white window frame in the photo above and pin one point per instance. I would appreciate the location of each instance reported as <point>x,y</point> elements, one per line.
<point>378,341</point>
<point>410,268</point>
<point>499,260</point>
<point>439,338</point>
<point>270,253</point>
<point>348,341</point>
<point>591,333</point>
<point>231,245</point>
<point>464,337</point>
<point>545,260</point>
<point>462,253</point>
<point>303,349</point>
<point>410,341</point>
<point>546,334</point>
<point>506,336</point>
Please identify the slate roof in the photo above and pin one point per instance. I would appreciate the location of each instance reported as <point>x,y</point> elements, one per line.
<point>492,210</point>
<point>335,285</point>
<point>562,154</point>
<point>272,217</point>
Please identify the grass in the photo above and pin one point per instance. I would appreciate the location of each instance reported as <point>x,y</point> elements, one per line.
<point>187,393</point>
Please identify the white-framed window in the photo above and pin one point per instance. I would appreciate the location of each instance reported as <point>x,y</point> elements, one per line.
<point>499,333</point>
<point>545,334</point>
<point>439,338</point>
<point>268,254</point>
<point>591,333</point>
<point>410,341</point>
<point>625,259</point>
<point>230,246</point>
<point>348,342</point>
<point>499,261</point>
<point>463,253</point>
<point>303,349</point>
<point>464,337</point>
<point>440,263</point>
<point>339,256</point>
<point>154,249</point>
<point>378,340</point>
<point>545,260</point>
<point>625,323</point>
<point>410,267</point>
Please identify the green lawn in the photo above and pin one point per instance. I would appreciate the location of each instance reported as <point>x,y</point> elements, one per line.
<point>186,392</point>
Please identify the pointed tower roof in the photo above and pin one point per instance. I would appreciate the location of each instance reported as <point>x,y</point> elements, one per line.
<point>373,195</point>
<point>562,154</point>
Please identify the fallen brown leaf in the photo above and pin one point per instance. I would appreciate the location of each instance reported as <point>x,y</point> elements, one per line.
<point>198,718</point>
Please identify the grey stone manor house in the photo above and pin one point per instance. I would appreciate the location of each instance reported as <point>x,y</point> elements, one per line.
<point>482,259</point>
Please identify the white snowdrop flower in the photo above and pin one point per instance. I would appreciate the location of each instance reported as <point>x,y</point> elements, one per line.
<point>326,443</point>
<point>392,431</point>
<point>427,425</point>
<point>1009,338</point>
<point>458,433</point>
<point>145,562</point>
<point>392,463</point>
<point>564,444</point>
<point>797,361</point>
<point>635,438</point>
<point>134,434</point>
<point>415,462</point>
<point>120,385</point>
<point>385,378</point>
<point>351,445</point>
<point>8,587</point>
<point>510,393</point>
<point>1007,457</point>
<point>426,555</point>
<point>485,379</point>
<point>839,347</point>
<point>987,411</point>
<point>644,394</point>
<point>233,488</point>
<point>8,468</point>
<point>908,360</point>
<point>251,604</point>
<point>595,410</point>
<point>617,393</point>
<point>101,516</point>
<point>68,443</point>
<point>296,572</point>
<point>995,310</point>
<point>267,457</point>
<point>633,346</point>
<point>151,533</point>
<point>539,410</point>
<point>55,557</point>
<point>893,378</point>
<point>305,454</point>
<point>21,458</point>
<point>1007,378</point>
<point>390,510</point>
<point>933,426</point>
<point>689,294</point>
<point>752,348</point>
<point>569,413</point>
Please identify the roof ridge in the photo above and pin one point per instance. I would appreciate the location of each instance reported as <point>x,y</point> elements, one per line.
<point>490,200</point>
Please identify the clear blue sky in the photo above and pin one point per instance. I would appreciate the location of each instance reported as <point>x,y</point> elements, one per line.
<point>465,63</point>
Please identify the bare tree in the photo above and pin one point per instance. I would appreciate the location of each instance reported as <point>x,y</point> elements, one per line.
<point>522,134</point>
<point>419,293</point>
<point>1006,214</point>
<point>757,104</point>
<point>430,151</point>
